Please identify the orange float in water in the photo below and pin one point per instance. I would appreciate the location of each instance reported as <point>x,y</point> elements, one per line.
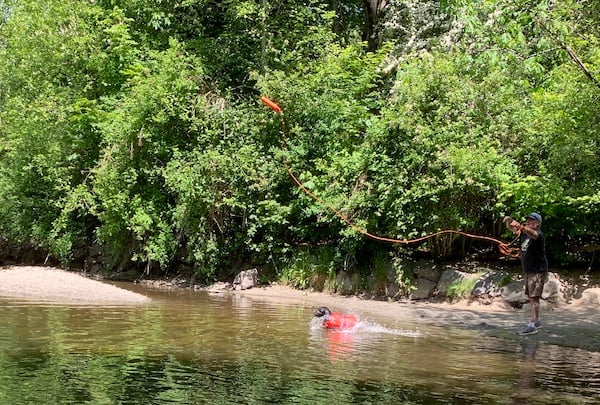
<point>340,321</point>
<point>335,320</point>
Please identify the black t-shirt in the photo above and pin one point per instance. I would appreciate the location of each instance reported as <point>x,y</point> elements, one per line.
<point>533,253</point>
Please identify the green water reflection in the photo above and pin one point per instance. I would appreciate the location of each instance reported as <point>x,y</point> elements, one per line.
<point>193,348</point>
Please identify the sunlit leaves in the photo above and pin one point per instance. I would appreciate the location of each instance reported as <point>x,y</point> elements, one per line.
<point>137,124</point>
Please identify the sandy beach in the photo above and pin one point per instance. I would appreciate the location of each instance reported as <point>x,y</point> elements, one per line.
<point>49,284</point>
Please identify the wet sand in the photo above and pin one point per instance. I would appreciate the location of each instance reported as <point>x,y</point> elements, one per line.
<point>571,325</point>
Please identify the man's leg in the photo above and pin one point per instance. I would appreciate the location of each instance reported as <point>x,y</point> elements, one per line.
<point>533,290</point>
<point>535,309</point>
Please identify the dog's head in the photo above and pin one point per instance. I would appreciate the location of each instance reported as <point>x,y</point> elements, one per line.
<point>322,312</point>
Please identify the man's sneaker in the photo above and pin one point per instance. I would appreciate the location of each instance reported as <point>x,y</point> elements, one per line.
<point>528,330</point>
<point>538,324</point>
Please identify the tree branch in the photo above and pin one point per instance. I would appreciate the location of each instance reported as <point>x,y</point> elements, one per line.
<point>580,64</point>
<point>571,54</point>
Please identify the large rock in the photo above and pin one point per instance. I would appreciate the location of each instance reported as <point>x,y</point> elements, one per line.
<point>449,277</point>
<point>554,290</point>
<point>347,284</point>
<point>514,293</point>
<point>426,270</point>
<point>490,284</point>
<point>245,279</point>
<point>424,289</point>
<point>590,296</point>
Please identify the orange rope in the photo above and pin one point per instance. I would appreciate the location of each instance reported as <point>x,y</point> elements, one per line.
<point>502,246</point>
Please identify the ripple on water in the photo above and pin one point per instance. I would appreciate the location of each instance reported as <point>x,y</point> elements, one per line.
<point>223,350</point>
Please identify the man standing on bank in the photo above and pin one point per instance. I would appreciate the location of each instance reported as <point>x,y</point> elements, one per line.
<point>534,263</point>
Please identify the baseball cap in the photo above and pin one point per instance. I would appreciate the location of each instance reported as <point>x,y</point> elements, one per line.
<point>536,216</point>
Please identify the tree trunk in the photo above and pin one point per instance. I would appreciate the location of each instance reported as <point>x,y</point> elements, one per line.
<point>373,10</point>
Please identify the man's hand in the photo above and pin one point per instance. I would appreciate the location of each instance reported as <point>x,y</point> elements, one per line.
<point>513,225</point>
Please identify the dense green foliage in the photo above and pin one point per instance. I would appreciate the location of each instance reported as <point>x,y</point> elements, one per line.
<point>136,125</point>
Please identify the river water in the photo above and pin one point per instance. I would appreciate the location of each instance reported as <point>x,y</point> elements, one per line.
<point>198,348</point>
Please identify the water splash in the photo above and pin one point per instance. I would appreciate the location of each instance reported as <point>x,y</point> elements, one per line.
<point>371,327</point>
<point>316,323</point>
<point>368,327</point>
